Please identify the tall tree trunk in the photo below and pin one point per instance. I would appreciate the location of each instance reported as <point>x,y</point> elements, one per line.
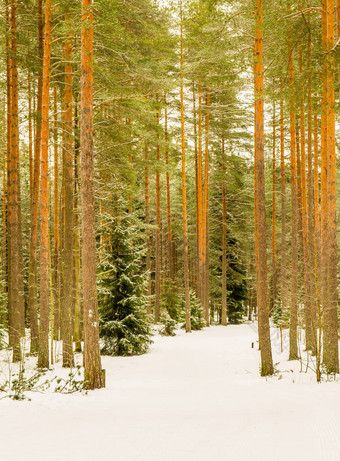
<point>4,208</point>
<point>168,197</point>
<point>312,286</point>
<point>56,249</point>
<point>184,195</point>
<point>9,172</point>
<point>283,215</point>
<point>330,323</point>
<point>92,362</point>
<point>293,346</point>
<point>224,320</point>
<point>147,223</point>
<point>317,228</point>
<point>261,282</point>
<point>17,238</point>
<point>158,234</point>
<point>30,138</point>
<point>205,218</point>
<point>306,254</point>
<point>16,305</point>
<point>43,357</point>
<point>274,266</point>
<point>68,259</point>
<point>196,268</point>
<point>199,198</point>
<point>77,262</point>
<point>33,255</point>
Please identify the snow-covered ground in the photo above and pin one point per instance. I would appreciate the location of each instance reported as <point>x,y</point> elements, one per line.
<point>195,397</point>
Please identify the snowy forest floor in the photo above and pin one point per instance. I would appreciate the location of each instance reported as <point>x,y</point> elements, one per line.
<point>195,397</point>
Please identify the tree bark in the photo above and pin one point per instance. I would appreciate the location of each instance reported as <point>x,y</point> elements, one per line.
<point>43,356</point>
<point>283,215</point>
<point>224,320</point>
<point>33,255</point>
<point>293,346</point>
<point>158,234</point>
<point>92,361</point>
<point>184,194</point>
<point>68,258</point>
<point>304,211</point>
<point>274,264</point>
<point>147,223</point>
<point>330,321</point>
<point>261,282</point>
<point>77,263</point>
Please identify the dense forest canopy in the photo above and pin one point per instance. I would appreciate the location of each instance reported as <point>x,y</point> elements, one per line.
<point>167,163</point>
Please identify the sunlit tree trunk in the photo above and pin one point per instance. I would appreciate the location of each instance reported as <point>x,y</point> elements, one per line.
<point>43,357</point>
<point>330,322</point>
<point>205,218</point>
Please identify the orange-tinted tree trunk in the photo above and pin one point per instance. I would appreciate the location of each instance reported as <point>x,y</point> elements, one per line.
<point>205,238</point>
<point>43,356</point>
<point>330,322</point>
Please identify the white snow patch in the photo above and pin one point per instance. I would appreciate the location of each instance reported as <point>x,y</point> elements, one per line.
<point>193,397</point>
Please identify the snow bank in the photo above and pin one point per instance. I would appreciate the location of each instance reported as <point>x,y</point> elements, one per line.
<point>195,397</point>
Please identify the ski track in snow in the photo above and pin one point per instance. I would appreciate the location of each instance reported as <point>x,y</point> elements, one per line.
<point>193,397</point>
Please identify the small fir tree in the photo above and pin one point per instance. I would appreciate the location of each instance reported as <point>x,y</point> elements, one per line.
<point>124,325</point>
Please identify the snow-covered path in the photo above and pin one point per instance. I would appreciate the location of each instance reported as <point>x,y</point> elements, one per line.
<point>193,397</point>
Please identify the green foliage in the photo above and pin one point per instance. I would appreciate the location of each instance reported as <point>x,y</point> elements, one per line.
<point>17,385</point>
<point>171,301</point>
<point>71,384</point>
<point>196,312</point>
<point>169,326</point>
<point>124,325</point>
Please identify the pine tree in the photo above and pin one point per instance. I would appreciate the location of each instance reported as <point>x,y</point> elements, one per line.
<point>124,324</point>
